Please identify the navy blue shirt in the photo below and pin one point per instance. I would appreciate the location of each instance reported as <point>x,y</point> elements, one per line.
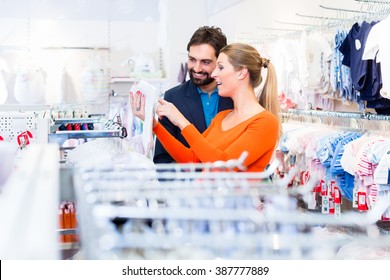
<point>364,73</point>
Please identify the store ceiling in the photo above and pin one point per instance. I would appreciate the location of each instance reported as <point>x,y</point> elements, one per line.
<point>131,10</point>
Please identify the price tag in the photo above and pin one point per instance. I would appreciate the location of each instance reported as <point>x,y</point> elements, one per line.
<point>325,205</point>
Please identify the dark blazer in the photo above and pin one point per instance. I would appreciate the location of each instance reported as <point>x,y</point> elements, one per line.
<point>187,100</point>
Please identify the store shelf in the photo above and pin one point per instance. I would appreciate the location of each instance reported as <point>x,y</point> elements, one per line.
<point>61,136</point>
<point>77,120</point>
<point>59,122</point>
<point>133,80</point>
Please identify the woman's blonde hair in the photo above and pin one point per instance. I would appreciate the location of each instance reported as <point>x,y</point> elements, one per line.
<point>242,55</point>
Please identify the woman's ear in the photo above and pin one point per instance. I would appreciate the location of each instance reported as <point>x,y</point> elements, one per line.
<point>242,73</point>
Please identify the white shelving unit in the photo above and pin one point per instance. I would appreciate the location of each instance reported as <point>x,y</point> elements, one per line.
<point>28,206</point>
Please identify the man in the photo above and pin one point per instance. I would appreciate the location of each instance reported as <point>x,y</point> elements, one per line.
<point>197,99</point>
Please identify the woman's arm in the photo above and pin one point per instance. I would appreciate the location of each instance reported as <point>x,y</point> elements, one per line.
<point>174,147</point>
<point>257,138</point>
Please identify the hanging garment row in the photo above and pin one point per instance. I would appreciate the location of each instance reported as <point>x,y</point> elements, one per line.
<point>351,152</point>
<point>336,62</point>
<point>175,211</point>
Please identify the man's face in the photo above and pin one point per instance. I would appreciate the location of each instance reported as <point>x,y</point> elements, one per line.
<point>201,63</point>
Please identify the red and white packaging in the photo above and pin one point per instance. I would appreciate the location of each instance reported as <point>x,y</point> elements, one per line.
<point>324,188</point>
<point>362,201</point>
<point>325,205</point>
<point>337,201</point>
<point>305,176</point>
<point>331,188</point>
<point>331,205</point>
<point>24,138</point>
<point>355,198</point>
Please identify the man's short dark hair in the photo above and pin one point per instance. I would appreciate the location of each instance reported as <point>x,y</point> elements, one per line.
<point>210,35</point>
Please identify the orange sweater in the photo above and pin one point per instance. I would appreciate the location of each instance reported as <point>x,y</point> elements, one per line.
<point>257,135</point>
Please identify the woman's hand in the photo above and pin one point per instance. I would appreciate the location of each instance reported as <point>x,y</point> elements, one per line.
<point>137,102</point>
<point>167,109</point>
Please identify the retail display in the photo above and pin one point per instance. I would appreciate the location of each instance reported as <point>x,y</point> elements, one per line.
<point>354,160</point>
<point>176,212</point>
<point>77,180</point>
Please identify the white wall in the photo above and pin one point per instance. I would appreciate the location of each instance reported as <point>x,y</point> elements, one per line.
<point>23,31</point>
<point>108,24</point>
<point>184,17</point>
<point>61,35</point>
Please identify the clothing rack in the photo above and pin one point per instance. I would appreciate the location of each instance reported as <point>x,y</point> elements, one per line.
<point>336,21</point>
<point>176,211</point>
<point>297,23</point>
<point>374,1</point>
<point>354,115</point>
<point>344,10</point>
<point>189,171</point>
<point>351,121</point>
<point>278,29</point>
<point>374,8</point>
<point>331,168</point>
<point>317,17</point>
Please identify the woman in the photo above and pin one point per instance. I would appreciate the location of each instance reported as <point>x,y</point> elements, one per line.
<point>253,125</point>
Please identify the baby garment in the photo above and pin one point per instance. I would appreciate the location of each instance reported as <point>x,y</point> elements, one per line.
<point>29,84</point>
<point>94,86</point>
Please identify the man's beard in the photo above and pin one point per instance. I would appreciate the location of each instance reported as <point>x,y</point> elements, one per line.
<point>200,82</point>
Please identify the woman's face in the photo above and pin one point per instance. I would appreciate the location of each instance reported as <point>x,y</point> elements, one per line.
<point>225,76</point>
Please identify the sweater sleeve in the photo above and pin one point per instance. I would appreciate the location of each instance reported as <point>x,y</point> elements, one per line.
<point>174,147</point>
<point>258,137</point>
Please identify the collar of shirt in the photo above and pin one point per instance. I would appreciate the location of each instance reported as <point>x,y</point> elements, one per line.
<point>202,92</point>
<point>209,104</point>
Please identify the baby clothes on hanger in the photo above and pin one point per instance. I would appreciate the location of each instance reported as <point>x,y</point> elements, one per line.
<point>366,74</point>
<point>94,86</point>
<point>344,179</point>
<point>379,155</point>
<point>29,84</point>
<point>318,58</point>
